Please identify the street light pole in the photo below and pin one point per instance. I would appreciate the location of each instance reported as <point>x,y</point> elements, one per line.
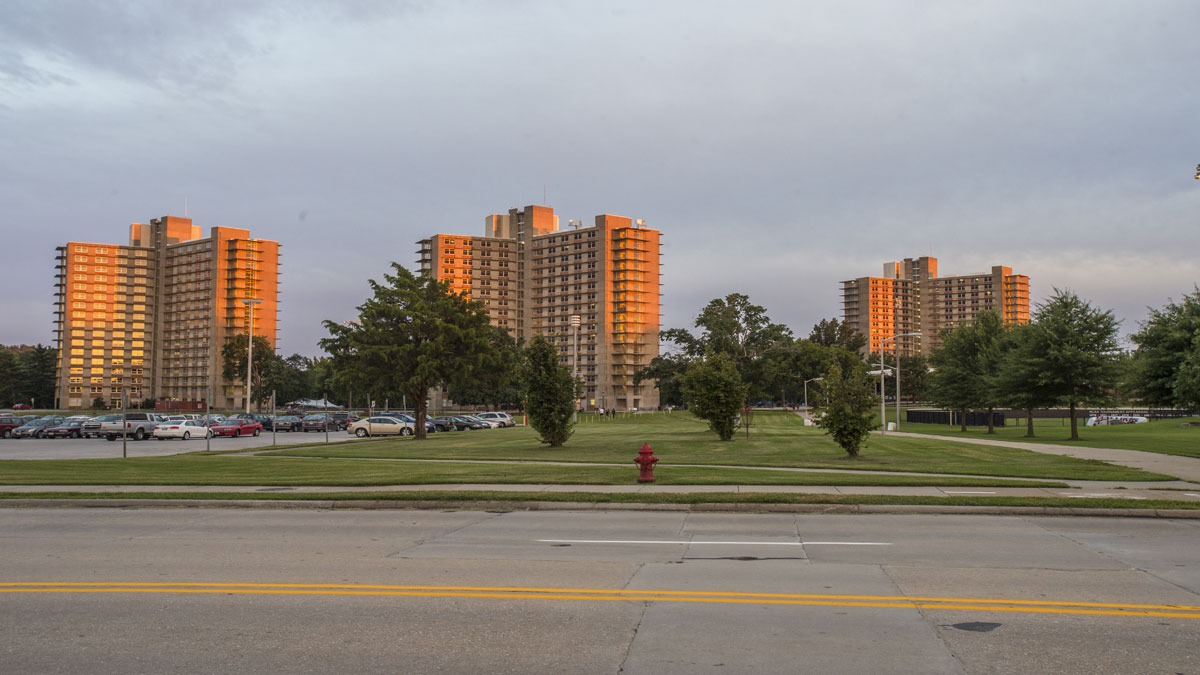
<point>249,303</point>
<point>882,402</point>
<point>811,379</point>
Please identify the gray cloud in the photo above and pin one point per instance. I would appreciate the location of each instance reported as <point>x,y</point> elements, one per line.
<point>781,147</point>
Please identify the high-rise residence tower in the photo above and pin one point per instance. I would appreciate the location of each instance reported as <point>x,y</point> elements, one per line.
<point>533,277</point>
<point>149,319</point>
<point>911,298</point>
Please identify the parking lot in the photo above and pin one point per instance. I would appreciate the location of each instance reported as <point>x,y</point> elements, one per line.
<point>97,448</point>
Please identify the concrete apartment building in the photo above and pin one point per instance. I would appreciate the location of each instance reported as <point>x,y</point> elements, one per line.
<point>910,297</point>
<point>533,277</point>
<point>149,319</point>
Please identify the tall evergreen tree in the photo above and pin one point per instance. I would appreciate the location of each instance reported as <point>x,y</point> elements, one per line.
<point>1017,380</point>
<point>957,380</point>
<point>550,392</point>
<point>37,368</point>
<point>413,334</point>
<point>10,378</point>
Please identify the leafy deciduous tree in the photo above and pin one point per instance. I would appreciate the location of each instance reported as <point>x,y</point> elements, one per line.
<point>1168,356</point>
<point>233,365</point>
<point>848,415</point>
<point>831,332</point>
<point>1076,362</point>
<point>714,392</point>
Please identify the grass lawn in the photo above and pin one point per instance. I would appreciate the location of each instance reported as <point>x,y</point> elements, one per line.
<point>198,469</point>
<point>1162,436</point>
<point>777,439</point>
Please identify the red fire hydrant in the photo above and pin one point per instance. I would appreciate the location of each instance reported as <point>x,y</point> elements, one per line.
<point>646,460</point>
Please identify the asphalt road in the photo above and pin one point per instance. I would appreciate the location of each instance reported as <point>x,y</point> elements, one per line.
<point>225,590</point>
<point>98,448</point>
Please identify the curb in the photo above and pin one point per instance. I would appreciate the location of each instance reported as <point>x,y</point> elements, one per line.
<point>403,505</point>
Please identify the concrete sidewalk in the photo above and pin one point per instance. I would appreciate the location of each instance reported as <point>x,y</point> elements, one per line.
<point>1185,468</point>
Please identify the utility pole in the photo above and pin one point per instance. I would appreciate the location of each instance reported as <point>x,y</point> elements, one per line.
<point>249,303</point>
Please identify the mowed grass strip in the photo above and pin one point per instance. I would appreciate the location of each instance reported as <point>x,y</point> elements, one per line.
<point>777,439</point>
<point>284,471</point>
<point>1165,437</point>
<point>516,498</point>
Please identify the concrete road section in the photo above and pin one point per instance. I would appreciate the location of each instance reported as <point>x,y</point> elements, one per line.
<point>173,591</point>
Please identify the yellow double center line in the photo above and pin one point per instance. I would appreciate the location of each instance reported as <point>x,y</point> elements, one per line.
<point>529,593</point>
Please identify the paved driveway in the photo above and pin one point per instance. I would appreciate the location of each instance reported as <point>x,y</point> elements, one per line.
<point>96,448</point>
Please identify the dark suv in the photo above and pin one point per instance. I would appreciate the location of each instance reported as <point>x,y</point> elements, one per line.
<point>344,419</point>
<point>8,423</point>
<point>319,422</point>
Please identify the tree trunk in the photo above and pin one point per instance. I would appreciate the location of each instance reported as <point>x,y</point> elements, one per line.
<point>962,420</point>
<point>1029,424</point>
<point>420,416</point>
<point>991,426</point>
<point>1074,428</point>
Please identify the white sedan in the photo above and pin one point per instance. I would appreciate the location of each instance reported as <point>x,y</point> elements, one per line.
<point>184,430</point>
<point>380,426</point>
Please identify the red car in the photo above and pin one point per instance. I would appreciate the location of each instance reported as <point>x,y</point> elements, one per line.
<point>237,427</point>
<point>22,406</point>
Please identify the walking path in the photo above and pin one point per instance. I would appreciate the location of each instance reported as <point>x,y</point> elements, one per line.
<point>1185,468</point>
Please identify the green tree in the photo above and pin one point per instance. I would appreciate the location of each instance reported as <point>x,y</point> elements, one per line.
<point>413,334</point>
<point>550,392</point>
<point>38,368</point>
<point>98,403</point>
<point>1017,380</point>
<point>989,340</point>
<point>495,384</point>
<point>829,333</point>
<point>1167,370</point>
<point>957,381</point>
<point>732,326</point>
<point>667,372</point>
<point>848,415</point>
<point>288,378</point>
<point>233,365</point>
<point>10,378</point>
<point>715,392</point>
<point>788,364</point>
<point>1076,362</point>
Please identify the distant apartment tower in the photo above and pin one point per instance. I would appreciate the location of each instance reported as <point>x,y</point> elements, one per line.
<point>533,277</point>
<point>911,298</point>
<point>149,319</point>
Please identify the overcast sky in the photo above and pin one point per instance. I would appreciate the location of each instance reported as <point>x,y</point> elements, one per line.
<point>780,147</point>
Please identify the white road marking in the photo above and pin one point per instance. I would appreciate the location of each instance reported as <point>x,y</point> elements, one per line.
<point>1102,495</point>
<point>968,492</point>
<point>722,543</point>
<point>1191,494</point>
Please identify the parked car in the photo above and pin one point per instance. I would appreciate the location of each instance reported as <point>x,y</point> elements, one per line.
<point>8,423</point>
<point>182,429</point>
<point>236,426</point>
<point>319,422</point>
<point>288,423</point>
<point>137,425</point>
<point>380,425</point>
<point>36,428</point>
<point>448,423</point>
<point>70,428</point>
<point>487,424</point>
<point>91,427</point>
<point>22,406</point>
<point>429,425</point>
<point>262,418</point>
<point>343,419</point>
<point>503,418</point>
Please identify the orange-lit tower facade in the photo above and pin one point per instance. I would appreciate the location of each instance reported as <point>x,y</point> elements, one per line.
<point>910,297</point>
<point>533,277</point>
<point>149,319</point>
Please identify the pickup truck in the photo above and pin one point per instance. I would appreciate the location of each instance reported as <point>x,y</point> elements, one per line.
<point>139,426</point>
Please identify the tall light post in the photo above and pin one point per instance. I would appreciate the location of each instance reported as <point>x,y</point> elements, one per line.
<point>575,320</point>
<point>249,303</point>
<point>811,379</point>
<point>882,402</point>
